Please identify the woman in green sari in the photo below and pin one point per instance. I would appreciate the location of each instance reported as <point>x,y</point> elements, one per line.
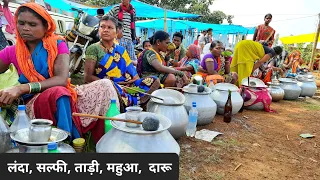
<point>105,59</point>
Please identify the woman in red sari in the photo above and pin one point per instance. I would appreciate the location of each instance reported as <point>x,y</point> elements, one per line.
<point>265,33</point>
<point>41,59</point>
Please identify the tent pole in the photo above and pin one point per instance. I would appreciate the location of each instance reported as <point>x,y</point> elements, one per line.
<point>165,21</point>
<point>315,44</point>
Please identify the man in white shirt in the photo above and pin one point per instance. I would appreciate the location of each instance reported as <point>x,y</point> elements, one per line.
<point>202,40</point>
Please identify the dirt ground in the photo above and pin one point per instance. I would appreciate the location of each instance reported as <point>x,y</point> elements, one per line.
<point>258,145</point>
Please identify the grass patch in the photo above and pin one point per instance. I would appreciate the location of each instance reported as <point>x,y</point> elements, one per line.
<point>214,158</point>
<point>226,144</point>
<point>312,107</point>
<point>217,176</point>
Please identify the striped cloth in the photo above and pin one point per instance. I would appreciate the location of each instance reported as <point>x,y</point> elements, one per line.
<point>126,22</point>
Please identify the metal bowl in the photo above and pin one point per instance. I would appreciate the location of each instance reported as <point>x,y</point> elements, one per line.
<point>165,123</point>
<point>170,97</point>
<point>22,137</point>
<point>253,82</point>
<point>206,91</point>
<point>226,87</point>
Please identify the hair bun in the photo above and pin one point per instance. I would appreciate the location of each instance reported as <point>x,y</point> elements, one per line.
<point>151,39</point>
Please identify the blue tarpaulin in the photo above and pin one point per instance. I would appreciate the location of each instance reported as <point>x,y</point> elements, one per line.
<point>142,9</point>
<point>174,25</point>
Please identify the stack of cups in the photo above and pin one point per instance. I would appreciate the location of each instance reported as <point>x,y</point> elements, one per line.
<point>78,144</point>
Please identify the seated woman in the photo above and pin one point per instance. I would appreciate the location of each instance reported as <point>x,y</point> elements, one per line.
<point>191,62</point>
<point>249,56</point>
<point>215,64</point>
<point>106,60</point>
<point>268,69</point>
<point>151,62</point>
<point>293,63</point>
<point>41,58</point>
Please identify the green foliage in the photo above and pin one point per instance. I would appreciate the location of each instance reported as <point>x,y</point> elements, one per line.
<point>305,52</point>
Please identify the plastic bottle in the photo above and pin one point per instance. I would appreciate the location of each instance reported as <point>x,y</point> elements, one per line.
<point>53,147</point>
<point>211,85</point>
<point>193,119</point>
<point>21,121</point>
<point>5,140</point>
<point>112,111</point>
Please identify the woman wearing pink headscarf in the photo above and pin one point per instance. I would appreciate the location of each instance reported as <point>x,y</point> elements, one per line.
<point>190,63</point>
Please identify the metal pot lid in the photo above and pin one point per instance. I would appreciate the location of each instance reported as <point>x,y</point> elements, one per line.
<point>22,137</point>
<point>304,78</point>
<point>165,124</point>
<point>274,83</point>
<point>205,92</point>
<point>253,82</point>
<point>226,87</point>
<point>170,97</point>
<point>287,80</point>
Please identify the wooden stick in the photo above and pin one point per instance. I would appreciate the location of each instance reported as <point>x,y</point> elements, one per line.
<point>237,166</point>
<point>173,88</point>
<point>142,92</point>
<point>299,155</point>
<point>106,118</point>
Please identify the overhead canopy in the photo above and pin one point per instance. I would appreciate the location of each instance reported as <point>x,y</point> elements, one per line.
<point>303,38</point>
<point>65,5</point>
<point>142,9</point>
<point>173,24</point>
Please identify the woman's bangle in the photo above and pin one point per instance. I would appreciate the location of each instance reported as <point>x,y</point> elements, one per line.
<point>179,73</point>
<point>34,87</point>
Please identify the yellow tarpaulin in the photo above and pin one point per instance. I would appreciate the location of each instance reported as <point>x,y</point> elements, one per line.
<point>303,38</point>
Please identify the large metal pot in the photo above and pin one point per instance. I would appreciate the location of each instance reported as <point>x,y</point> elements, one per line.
<point>257,86</point>
<point>206,107</point>
<point>307,85</point>
<point>62,148</point>
<point>172,108</point>
<point>291,89</point>
<point>220,97</point>
<point>123,139</point>
<point>276,92</point>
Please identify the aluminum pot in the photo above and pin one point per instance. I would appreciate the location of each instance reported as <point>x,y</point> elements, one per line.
<point>206,107</point>
<point>307,85</point>
<point>123,139</point>
<point>172,108</point>
<point>276,92</point>
<point>291,89</point>
<point>255,85</point>
<point>40,130</point>
<point>220,97</point>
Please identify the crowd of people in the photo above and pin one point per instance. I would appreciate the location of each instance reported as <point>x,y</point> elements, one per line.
<point>41,58</point>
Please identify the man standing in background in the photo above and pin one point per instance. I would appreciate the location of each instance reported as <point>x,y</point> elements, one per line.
<point>126,14</point>
<point>208,37</point>
<point>100,13</point>
<point>202,41</point>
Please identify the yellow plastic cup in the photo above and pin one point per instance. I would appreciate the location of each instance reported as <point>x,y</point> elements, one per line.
<point>78,142</point>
